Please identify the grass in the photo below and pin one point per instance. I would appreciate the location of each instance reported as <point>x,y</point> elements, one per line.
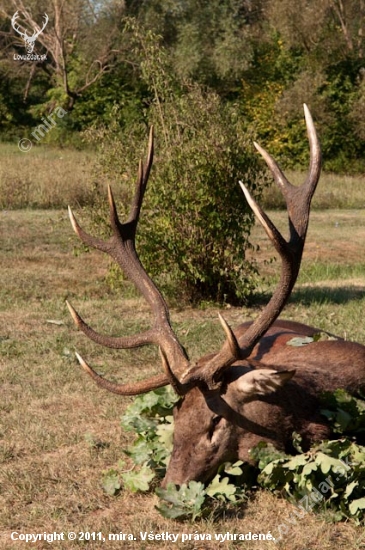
<point>333,191</point>
<point>44,177</point>
<point>25,181</point>
<point>58,432</point>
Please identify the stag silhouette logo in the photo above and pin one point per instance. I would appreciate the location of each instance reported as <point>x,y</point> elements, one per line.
<point>29,41</point>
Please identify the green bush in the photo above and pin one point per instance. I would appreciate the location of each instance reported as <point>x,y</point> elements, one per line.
<point>195,223</point>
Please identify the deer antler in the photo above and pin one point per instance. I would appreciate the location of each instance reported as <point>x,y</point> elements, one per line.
<point>298,201</point>
<point>121,247</point>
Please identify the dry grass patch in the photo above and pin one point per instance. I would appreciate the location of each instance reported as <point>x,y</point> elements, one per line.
<point>58,432</point>
<point>44,177</point>
<point>333,191</point>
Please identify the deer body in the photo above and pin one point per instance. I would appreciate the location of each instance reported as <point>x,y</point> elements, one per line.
<point>256,387</point>
<point>320,366</point>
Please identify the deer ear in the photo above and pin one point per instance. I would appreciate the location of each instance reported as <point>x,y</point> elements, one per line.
<point>262,382</point>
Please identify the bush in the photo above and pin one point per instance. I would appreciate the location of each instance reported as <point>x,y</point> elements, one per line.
<point>195,225</point>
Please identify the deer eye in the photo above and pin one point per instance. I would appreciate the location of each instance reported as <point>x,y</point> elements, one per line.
<point>213,424</point>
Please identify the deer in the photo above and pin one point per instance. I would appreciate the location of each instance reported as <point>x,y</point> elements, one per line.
<point>256,387</point>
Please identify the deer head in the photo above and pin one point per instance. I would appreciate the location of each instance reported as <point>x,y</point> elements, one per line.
<point>211,424</point>
<point>28,40</point>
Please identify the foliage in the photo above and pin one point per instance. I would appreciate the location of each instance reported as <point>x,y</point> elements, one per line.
<point>264,57</point>
<point>330,476</point>
<point>346,412</point>
<point>195,225</point>
<point>193,500</point>
<point>149,416</point>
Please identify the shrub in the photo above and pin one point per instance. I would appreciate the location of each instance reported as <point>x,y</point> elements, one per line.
<point>195,225</point>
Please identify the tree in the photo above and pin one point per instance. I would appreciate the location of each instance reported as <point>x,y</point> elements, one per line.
<point>79,43</point>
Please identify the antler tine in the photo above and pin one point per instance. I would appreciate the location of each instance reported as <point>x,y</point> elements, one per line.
<point>136,388</point>
<point>315,154</point>
<point>124,342</point>
<point>298,201</point>
<point>87,239</point>
<point>143,175</point>
<point>121,247</point>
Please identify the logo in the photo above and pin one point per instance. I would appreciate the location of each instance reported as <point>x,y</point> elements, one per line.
<point>29,41</point>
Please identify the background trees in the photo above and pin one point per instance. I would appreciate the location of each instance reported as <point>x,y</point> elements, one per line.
<point>266,57</point>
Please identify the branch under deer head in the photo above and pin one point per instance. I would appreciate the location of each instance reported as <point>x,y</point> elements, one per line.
<point>121,247</point>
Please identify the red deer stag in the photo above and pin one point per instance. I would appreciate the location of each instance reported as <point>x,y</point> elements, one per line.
<point>256,387</point>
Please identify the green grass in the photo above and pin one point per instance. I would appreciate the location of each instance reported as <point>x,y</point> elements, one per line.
<point>50,474</point>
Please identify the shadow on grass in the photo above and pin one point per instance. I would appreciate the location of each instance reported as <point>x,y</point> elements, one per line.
<point>330,295</point>
<point>318,295</point>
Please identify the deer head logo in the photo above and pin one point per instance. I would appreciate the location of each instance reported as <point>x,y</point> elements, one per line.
<point>28,40</point>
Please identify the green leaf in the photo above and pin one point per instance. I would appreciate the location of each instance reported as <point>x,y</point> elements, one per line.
<point>233,469</point>
<point>346,412</point>
<point>186,501</point>
<point>323,336</point>
<point>328,462</point>
<point>349,488</point>
<point>111,482</point>
<point>138,480</point>
<point>300,341</point>
<point>165,433</point>
<point>356,505</point>
<point>221,488</point>
<point>296,462</point>
<point>142,415</point>
<point>264,453</point>
<point>141,450</point>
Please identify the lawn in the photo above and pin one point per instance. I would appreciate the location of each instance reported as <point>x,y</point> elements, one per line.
<point>58,432</point>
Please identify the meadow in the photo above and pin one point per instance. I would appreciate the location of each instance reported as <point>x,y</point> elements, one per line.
<point>58,432</point>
